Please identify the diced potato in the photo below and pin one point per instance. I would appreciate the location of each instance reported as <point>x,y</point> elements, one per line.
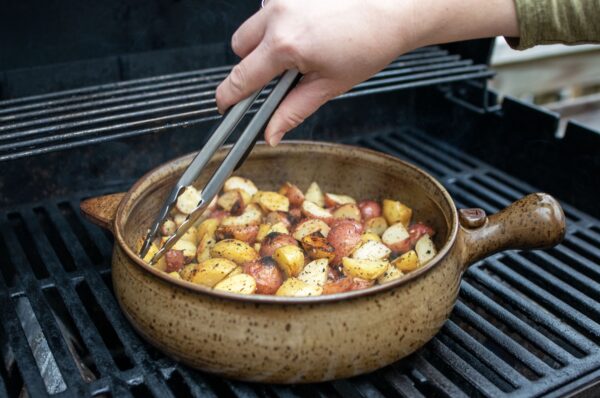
<point>239,283</point>
<point>315,195</point>
<point>175,260</point>
<point>296,288</point>
<point>257,247</point>
<point>425,249</point>
<point>235,250</point>
<point>349,210</point>
<point>179,218</point>
<point>174,275</point>
<point>161,264</point>
<point>232,201</point>
<point>390,274</point>
<point>311,210</point>
<point>309,227</point>
<point>395,212</point>
<point>397,238</point>
<point>407,262</point>
<point>274,241</point>
<point>191,235</point>
<point>290,259</point>
<point>368,236</point>
<point>315,272</point>
<point>209,272</point>
<point>188,248</point>
<point>332,200</point>
<point>365,269</point>
<point>266,229</point>
<point>188,200</point>
<point>271,201</point>
<point>168,228</point>
<point>207,227</point>
<point>377,225</point>
<point>207,242</point>
<point>293,193</point>
<point>251,216</point>
<point>371,250</point>
<point>245,233</point>
<point>317,247</point>
<point>237,270</point>
<point>243,184</point>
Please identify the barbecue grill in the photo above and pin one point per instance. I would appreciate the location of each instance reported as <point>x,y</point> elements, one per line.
<point>527,323</point>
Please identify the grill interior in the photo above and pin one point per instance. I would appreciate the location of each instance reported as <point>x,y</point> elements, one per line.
<point>527,323</point>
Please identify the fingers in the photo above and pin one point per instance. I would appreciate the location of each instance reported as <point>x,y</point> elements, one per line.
<point>299,104</point>
<point>249,35</point>
<point>252,73</point>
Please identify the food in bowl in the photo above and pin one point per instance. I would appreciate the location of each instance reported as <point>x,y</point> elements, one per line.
<point>292,243</point>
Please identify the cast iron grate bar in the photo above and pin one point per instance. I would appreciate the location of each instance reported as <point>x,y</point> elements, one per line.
<point>526,323</point>
<point>90,115</point>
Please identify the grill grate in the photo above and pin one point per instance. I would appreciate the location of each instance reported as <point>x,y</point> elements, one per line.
<point>527,323</point>
<point>72,118</point>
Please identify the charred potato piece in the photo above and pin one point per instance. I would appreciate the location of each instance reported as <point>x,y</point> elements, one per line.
<point>308,227</point>
<point>349,211</point>
<point>390,274</point>
<point>290,259</point>
<point>407,262</point>
<point>252,215</point>
<point>365,269</point>
<point>240,283</point>
<point>317,247</point>
<point>315,195</point>
<point>233,202</point>
<point>344,237</point>
<point>377,225</point>
<point>396,212</point>
<point>397,238</point>
<point>235,250</point>
<point>266,273</point>
<point>271,201</point>
<point>333,200</point>
<point>188,200</point>
<point>209,272</point>
<point>425,249</point>
<point>274,241</point>
<point>311,210</point>
<point>369,209</point>
<point>315,272</point>
<point>371,250</point>
<point>243,184</point>
<point>245,233</point>
<point>293,193</point>
<point>296,288</point>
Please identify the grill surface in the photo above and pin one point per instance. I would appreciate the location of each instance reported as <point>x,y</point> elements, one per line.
<point>527,323</point>
<point>67,119</point>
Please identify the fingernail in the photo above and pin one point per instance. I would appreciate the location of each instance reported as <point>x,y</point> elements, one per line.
<point>276,138</point>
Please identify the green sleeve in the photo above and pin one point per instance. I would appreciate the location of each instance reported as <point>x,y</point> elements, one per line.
<point>556,21</point>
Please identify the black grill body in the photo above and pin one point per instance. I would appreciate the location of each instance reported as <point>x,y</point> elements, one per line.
<point>527,323</point>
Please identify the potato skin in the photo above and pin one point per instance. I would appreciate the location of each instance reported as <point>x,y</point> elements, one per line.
<point>245,233</point>
<point>274,241</point>
<point>369,209</point>
<point>293,193</point>
<point>175,260</point>
<point>417,230</point>
<point>344,236</point>
<point>340,285</point>
<point>359,284</point>
<point>276,217</point>
<point>316,246</point>
<point>267,275</point>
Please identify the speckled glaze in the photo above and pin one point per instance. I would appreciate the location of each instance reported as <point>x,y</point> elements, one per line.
<point>289,340</point>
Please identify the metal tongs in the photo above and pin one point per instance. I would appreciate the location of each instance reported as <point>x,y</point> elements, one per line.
<point>236,156</point>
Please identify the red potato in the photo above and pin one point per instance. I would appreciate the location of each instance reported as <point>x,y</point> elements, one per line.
<point>295,215</point>
<point>293,193</point>
<point>274,241</point>
<point>359,283</point>
<point>266,273</point>
<point>354,223</point>
<point>369,209</point>
<point>245,233</point>
<point>275,217</point>
<point>341,285</point>
<point>417,230</point>
<point>311,210</point>
<point>175,260</point>
<point>397,238</point>
<point>219,214</point>
<point>344,237</point>
<point>333,200</point>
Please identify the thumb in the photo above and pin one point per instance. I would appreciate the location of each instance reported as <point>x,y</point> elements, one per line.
<point>300,103</point>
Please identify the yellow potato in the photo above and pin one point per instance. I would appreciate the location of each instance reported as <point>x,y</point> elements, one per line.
<point>390,274</point>
<point>407,262</point>
<point>296,288</point>
<point>191,235</point>
<point>365,269</point>
<point>271,201</point>
<point>209,272</point>
<point>240,183</point>
<point>206,244</point>
<point>317,247</point>
<point>290,259</point>
<point>315,272</point>
<point>174,275</point>
<point>315,195</point>
<point>235,250</point>
<point>239,283</point>
<point>349,210</point>
<point>425,249</point>
<point>208,226</point>
<point>376,225</point>
<point>311,226</point>
<point>266,229</point>
<point>237,270</point>
<point>395,212</point>
<point>161,264</point>
<point>370,236</point>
